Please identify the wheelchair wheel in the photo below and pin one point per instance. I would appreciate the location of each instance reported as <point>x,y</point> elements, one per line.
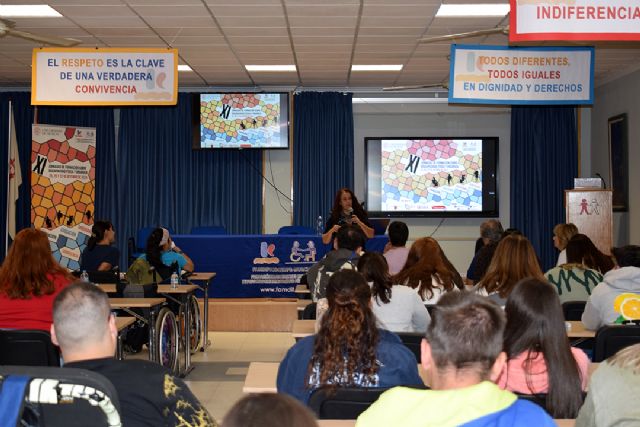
<point>166,339</point>
<point>196,325</point>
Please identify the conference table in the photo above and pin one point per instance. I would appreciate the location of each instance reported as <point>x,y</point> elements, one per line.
<point>261,376</point>
<point>254,266</point>
<point>304,328</point>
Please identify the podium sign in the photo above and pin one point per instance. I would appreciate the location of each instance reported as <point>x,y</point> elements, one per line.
<point>591,212</point>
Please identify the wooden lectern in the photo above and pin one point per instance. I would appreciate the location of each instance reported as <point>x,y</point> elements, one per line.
<point>590,210</point>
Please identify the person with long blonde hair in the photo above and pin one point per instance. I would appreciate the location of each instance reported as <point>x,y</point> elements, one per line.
<point>349,350</point>
<point>562,233</point>
<point>428,271</point>
<point>514,260</point>
<point>30,279</point>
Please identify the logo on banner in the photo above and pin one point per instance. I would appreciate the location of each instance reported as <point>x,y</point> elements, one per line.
<point>300,255</point>
<point>267,254</point>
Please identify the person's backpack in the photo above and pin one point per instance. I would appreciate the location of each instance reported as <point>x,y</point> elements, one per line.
<point>140,272</point>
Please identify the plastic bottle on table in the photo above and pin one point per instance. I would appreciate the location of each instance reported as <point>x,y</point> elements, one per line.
<point>84,276</point>
<point>175,280</point>
<point>319,225</point>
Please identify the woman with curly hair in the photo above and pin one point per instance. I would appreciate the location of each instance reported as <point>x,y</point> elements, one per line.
<point>428,271</point>
<point>30,279</point>
<point>348,350</point>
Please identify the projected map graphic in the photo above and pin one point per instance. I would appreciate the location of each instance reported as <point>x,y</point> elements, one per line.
<point>240,120</point>
<point>431,175</point>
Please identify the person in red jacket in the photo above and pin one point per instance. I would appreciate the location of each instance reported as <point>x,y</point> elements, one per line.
<point>30,279</point>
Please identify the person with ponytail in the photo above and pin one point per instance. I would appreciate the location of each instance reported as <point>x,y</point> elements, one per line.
<point>540,358</point>
<point>348,350</point>
<point>100,255</point>
<point>398,308</point>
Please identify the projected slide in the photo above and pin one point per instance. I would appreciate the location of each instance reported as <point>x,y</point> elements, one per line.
<point>431,175</point>
<point>250,120</point>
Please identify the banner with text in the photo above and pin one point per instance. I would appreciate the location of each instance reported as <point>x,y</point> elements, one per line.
<point>527,75</point>
<point>105,76</point>
<point>63,161</point>
<point>534,20</point>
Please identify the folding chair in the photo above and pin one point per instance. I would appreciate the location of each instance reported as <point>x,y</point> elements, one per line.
<point>27,348</point>
<point>612,338</point>
<point>343,403</point>
<point>572,310</point>
<point>57,397</point>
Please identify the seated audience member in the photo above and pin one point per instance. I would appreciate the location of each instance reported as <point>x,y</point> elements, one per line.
<point>30,278</point>
<point>100,255</point>
<point>490,233</point>
<point>162,254</point>
<point>349,350</point>
<point>584,251</point>
<point>514,260</point>
<point>599,310</point>
<point>461,355</point>
<point>539,356</point>
<point>574,281</point>
<point>428,271</point>
<point>348,246</point>
<point>613,392</point>
<point>395,251</point>
<point>149,394</point>
<point>346,210</point>
<point>269,410</point>
<point>561,235</point>
<point>398,308</point>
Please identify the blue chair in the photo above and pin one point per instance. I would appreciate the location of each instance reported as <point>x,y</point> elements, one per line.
<point>295,229</point>
<point>211,230</point>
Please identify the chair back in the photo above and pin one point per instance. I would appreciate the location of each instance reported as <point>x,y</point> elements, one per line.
<point>572,310</point>
<point>58,397</point>
<point>27,348</point>
<point>295,229</point>
<point>412,340</point>
<point>343,403</point>
<point>309,312</point>
<point>612,338</point>
<point>211,230</point>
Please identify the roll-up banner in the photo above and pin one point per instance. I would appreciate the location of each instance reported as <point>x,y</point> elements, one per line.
<point>483,74</point>
<point>104,76</point>
<point>63,174</point>
<point>535,20</point>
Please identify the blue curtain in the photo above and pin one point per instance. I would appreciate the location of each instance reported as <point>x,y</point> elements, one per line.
<point>163,181</point>
<point>322,153</point>
<point>544,161</point>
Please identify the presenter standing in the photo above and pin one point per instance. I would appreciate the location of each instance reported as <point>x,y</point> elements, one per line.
<point>346,210</point>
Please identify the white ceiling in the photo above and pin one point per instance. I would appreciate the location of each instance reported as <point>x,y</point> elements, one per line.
<point>216,38</point>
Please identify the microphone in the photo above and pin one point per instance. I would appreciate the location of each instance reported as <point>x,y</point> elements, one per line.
<point>604,183</point>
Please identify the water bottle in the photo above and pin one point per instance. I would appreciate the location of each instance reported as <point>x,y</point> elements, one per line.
<point>319,225</point>
<point>84,276</point>
<point>175,280</point>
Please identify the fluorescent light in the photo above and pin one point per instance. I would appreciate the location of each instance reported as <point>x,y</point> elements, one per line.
<point>184,67</point>
<point>472,10</point>
<point>433,100</point>
<point>270,67</point>
<point>386,67</point>
<point>28,10</point>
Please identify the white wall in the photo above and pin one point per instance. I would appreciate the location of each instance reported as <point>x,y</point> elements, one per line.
<point>456,235</point>
<point>619,96</point>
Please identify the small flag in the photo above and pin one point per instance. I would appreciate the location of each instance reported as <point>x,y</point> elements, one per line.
<point>15,180</point>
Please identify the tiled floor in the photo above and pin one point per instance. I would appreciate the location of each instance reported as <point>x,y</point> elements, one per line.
<point>219,372</point>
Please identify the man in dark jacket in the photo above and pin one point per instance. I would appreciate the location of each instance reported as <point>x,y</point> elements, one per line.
<point>348,246</point>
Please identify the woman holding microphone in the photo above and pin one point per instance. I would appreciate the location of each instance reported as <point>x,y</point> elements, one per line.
<point>346,210</point>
